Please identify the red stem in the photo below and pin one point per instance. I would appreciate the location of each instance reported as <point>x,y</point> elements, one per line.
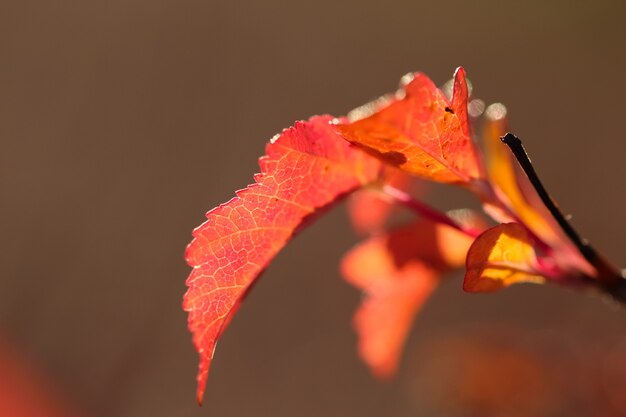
<point>425,210</point>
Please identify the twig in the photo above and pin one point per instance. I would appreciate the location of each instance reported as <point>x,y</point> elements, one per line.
<point>613,282</point>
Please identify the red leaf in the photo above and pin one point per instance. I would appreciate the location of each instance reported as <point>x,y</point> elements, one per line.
<point>420,132</point>
<point>307,167</point>
<point>398,271</point>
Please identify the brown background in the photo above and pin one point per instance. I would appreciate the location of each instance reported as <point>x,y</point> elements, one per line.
<point>122,121</point>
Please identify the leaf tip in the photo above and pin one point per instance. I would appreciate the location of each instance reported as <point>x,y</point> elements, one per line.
<point>201,378</point>
<point>461,89</point>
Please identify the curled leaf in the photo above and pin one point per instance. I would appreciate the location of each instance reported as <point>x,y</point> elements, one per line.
<point>307,168</point>
<point>499,257</point>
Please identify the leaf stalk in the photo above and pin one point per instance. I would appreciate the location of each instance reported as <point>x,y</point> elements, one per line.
<point>425,210</point>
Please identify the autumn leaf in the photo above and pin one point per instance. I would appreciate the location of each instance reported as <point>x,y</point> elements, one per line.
<point>419,131</point>
<point>502,256</point>
<point>398,271</point>
<point>307,168</point>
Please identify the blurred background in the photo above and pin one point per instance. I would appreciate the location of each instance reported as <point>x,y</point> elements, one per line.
<point>122,122</point>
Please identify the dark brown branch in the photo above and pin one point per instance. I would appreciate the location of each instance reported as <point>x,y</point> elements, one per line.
<point>611,279</point>
<point>518,150</point>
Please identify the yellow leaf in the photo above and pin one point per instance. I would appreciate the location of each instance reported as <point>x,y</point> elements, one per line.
<point>501,256</point>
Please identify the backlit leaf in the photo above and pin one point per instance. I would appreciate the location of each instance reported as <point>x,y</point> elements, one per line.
<point>420,132</point>
<point>307,167</point>
<point>398,271</point>
<point>501,256</point>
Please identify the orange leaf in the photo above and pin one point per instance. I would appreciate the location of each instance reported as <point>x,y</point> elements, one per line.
<point>398,271</point>
<point>307,167</point>
<point>420,132</point>
<point>501,256</point>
